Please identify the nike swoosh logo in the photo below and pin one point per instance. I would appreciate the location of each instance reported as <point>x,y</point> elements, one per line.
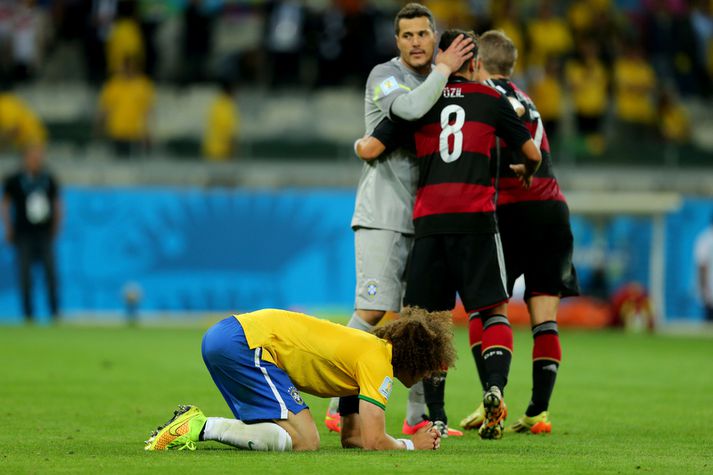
<point>173,430</point>
<point>251,444</point>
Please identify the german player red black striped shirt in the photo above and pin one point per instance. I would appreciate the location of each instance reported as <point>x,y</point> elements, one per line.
<point>453,142</point>
<point>544,185</point>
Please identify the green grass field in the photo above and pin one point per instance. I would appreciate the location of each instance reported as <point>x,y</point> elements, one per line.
<point>79,399</point>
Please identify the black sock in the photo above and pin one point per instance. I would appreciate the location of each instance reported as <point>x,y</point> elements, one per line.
<point>497,350</point>
<point>546,357</point>
<point>434,390</point>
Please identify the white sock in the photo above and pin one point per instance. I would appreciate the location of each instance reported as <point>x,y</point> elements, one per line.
<point>357,322</point>
<point>416,406</point>
<point>261,436</point>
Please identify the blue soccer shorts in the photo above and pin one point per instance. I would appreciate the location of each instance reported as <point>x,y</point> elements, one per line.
<point>255,390</point>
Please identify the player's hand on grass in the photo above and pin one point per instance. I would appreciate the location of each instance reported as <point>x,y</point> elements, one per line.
<point>457,53</point>
<point>426,438</point>
<point>521,172</point>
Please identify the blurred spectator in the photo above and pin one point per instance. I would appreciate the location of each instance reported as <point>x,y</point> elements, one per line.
<point>124,107</point>
<point>197,41</point>
<point>548,35</point>
<point>632,308</point>
<point>674,125</point>
<point>32,213</point>
<point>96,34</point>
<point>285,24</point>
<point>703,254</point>
<point>634,86</point>
<point>659,38</point>
<point>125,39</point>
<point>6,14</point>
<point>702,24</point>
<point>452,14</point>
<point>20,127</point>
<point>219,140</point>
<point>346,45</point>
<point>588,81</point>
<point>546,92</point>
<point>506,18</point>
<point>29,27</point>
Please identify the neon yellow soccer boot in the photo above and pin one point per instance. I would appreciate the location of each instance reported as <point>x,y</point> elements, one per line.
<point>475,419</point>
<point>181,432</point>
<point>539,424</point>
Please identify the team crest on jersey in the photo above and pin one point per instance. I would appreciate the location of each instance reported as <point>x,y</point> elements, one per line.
<point>389,85</point>
<point>372,288</point>
<point>386,387</point>
<point>296,395</point>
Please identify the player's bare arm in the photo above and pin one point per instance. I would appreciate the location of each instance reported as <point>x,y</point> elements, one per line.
<point>369,148</point>
<point>367,430</point>
<point>533,158</point>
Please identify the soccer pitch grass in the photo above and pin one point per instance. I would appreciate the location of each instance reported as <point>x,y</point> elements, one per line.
<point>80,399</point>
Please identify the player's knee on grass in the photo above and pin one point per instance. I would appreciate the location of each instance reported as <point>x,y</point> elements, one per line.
<point>306,440</point>
<point>302,430</point>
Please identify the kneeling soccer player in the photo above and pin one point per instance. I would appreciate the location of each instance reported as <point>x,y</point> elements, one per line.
<point>260,362</point>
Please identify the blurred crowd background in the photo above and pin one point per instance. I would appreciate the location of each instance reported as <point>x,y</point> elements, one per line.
<point>203,148</point>
<point>616,81</point>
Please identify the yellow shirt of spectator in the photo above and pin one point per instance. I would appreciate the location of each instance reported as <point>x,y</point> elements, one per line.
<point>675,125</point>
<point>126,102</point>
<point>548,37</point>
<point>124,42</point>
<point>589,84</point>
<point>321,357</point>
<point>513,31</point>
<point>451,13</point>
<point>19,124</point>
<point>221,128</point>
<point>546,92</point>
<point>634,81</point>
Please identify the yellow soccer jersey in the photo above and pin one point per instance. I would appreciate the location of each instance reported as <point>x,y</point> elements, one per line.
<point>221,128</point>
<point>19,124</point>
<point>127,103</point>
<point>321,357</point>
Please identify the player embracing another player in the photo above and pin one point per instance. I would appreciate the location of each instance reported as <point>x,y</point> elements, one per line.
<point>537,240</point>
<point>405,88</point>
<point>457,246</point>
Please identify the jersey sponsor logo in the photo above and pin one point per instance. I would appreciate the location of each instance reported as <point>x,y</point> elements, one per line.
<point>389,85</point>
<point>452,92</point>
<point>386,387</point>
<point>372,288</point>
<point>295,394</point>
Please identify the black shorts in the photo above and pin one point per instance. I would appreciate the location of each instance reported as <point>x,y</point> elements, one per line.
<point>442,264</point>
<point>537,241</point>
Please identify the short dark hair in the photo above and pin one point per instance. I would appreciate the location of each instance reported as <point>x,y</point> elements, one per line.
<point>448,36</point>
<point>414,10</point>
<point>497,52</point>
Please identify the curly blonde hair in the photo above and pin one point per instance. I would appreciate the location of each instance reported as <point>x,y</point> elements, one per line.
<point>422,341</point>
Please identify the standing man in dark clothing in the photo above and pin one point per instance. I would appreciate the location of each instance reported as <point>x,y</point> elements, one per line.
<point>457,247</point>
<point>31,213</point>
<point>532,218</point>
